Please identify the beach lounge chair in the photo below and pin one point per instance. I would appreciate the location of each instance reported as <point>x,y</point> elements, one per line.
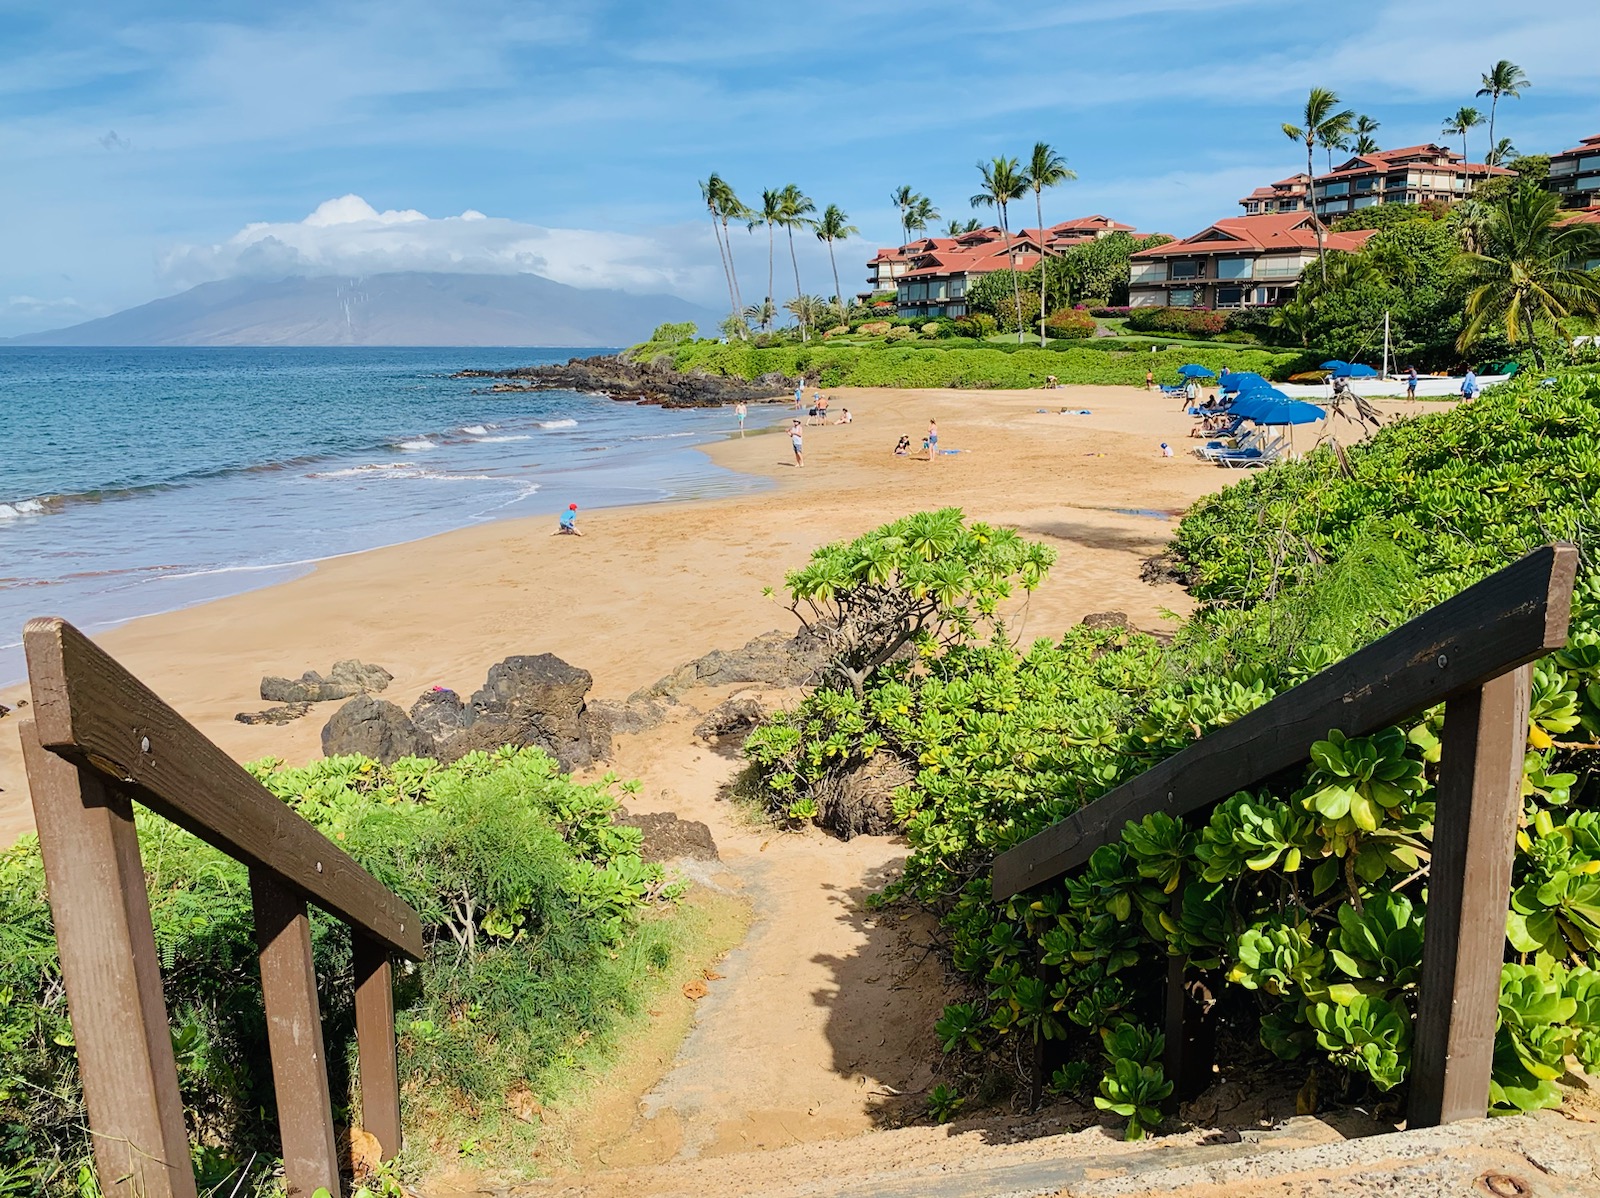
<point>1263,455</point>
<point>1178,390</point>
<point>1212,449</point>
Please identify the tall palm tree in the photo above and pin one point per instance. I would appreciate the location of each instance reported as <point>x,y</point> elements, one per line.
<point>771,210</point>
<point>1336,136</point>
<point>920,214</point>
<point>904,198</point>
<point>728,207</point>
<point>834,227</point>
<point>1529,272</point>
<point>1321,114</point>
<point>761,314</point>
<point>1046,168</point>
<point>1362,141</point>
<point>1505,78</point>
<point>1464,120</point>
<point>794,212</point>
<point>1003,182</point>
<point>712,191</point>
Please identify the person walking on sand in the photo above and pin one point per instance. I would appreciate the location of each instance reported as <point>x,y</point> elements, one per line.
<point>1469,385</point>
<point>933,439</point>
<point>1149,380</point>
<point>796,441</point>
<point>741,409</point>
<point>1411,382</point>
<point>822,409</point>
<point>569,523</point>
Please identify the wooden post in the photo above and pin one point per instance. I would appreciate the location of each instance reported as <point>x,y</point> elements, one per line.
<point>375,1047</point>
<point>113,978</point>
<point>1469,881</point>
<point>294,1035</point>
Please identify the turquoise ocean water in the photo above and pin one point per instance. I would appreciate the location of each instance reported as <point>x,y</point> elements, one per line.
<point>134,481</point>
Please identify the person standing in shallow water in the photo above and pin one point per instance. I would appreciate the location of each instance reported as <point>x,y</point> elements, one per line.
<point>796,441</point>
<point>740,410</point>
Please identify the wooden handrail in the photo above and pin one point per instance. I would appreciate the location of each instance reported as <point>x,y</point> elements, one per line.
<point>1512,617</point>
<point>97,742</point>
<point>90,710</point>
<point>1474,654</point>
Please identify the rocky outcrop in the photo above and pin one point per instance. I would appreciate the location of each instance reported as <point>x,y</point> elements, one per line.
<point>375,728</point>
<point>348,677</point>
<point>771,659</point>
<point>668,838</point>
<point>441,713</point>
<point>1106,619</point>
<point>638,382</point>
<point>731,721</point>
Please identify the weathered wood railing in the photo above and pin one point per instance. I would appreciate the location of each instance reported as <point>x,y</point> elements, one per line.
<point>1472,653</point>
<point>100,741</point>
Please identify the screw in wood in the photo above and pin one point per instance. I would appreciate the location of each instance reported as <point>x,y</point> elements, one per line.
<point>1443,661</point>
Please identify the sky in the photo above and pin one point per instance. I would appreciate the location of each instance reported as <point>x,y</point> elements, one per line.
<point>145,148</point>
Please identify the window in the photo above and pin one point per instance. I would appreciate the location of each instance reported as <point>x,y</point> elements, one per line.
<point>1590,184</point>
<point>1230,297</point>
<point>1183,297</point>
<point>958,286</point>
<point>1568,167</point>
<point>1367,201</point>
<point>1235,268</point>
<point>1148,272</point>
<point>1591,163</point>
<point>1185,270</point>
<point>1334,189</point>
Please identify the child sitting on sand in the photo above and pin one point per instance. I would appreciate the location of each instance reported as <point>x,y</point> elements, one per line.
<point>569,523</point>
<point>902,446</point>
<point>845,417</point>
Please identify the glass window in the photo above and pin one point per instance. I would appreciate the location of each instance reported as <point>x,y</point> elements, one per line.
<point>1185,270</point>
<point>1564,168</point>
<point>1230,297</point>
<point>1234,268</point>
<point>1182,297</point>
<point>1589,184</point>
<point>1366,201</point>
<point>1335,189</point>
<point>1149,272</point>
<point>958,286</point>
<point>1591,163</point>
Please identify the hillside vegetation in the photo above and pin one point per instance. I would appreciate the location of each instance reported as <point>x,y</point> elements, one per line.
<point>1301,906</point>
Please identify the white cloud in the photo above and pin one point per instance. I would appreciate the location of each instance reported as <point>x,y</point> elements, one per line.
<point>347,235</point>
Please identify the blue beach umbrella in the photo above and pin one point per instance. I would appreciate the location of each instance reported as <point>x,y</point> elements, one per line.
<point>1194,371</point>
<point>1256,405</point>
<point>1294,411</point>
<point>1338,367</point>
<point>1358,371</point>
<point>1240,380</point>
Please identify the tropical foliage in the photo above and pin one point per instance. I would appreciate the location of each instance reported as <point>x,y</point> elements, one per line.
<point>531,896</point>
<point>1300,906</point>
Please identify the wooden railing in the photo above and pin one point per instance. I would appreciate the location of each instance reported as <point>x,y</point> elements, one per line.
<point>1472,654</point>
<point>100,741</point>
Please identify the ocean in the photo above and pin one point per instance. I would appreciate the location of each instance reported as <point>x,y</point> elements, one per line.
<point>136,481</point>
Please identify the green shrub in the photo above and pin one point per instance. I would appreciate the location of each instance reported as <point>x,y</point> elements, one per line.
<point>977,324</point>
<point>1186,322</point>
<point>873,328</point>
<point>674,334</point>
<point>901,333</point>
<point>530,897</point>
<point>1070,324</point>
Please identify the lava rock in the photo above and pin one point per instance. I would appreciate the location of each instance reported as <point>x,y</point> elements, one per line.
<point>1106,619</point>
<point>375,728</point>
<point>668,838</point>
<point>362,677</point>
<point>348,677</point>
<point>441,713</point>
<point>653,382</point>
<point>274,715</point>
<point>732,718</point>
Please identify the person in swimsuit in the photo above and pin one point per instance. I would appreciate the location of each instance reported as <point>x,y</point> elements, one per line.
<point>796,438</point>
<point>903,446</point>
<point>740,410</point>
<point>933,440</point>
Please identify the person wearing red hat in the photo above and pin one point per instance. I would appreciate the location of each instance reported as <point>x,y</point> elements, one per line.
<point>569,522</point>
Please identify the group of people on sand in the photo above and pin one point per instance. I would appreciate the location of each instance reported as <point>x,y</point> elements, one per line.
<point>930,443</point>
<point>816,414</point>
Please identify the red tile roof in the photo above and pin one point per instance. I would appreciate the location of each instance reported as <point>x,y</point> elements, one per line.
<point>1270,233</point>
<point>1589,217</point>
<point>1586,146</point>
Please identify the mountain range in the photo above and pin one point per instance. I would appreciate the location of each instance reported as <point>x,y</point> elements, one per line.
<point>403,308</point>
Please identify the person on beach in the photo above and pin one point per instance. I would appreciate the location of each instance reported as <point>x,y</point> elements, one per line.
<point>845,417</point>
<point>796,441</point>
<point>1411,382</point>
<point>1149,380</point>
<point>740,410</point>
<point>933,439</point>
<point>1166,450</point>
<point>903,446</point>
<point>569,523</point>
<point>1469,385</point>
<point>799,394</point>
<point>822,409</point>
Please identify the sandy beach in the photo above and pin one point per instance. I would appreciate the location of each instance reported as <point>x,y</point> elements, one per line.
<point>651,587</point>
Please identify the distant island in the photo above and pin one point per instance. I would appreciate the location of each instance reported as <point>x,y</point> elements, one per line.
<point>398,309</point>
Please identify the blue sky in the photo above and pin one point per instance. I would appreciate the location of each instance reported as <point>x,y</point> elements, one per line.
<point>140,141</point>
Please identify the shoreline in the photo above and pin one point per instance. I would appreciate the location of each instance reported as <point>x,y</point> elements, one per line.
<point>654,585</point>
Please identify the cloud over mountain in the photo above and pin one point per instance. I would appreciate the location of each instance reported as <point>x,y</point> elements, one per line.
<point>347,235</point>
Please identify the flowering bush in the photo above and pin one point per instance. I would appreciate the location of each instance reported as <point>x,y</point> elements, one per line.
<point>1070,323</point>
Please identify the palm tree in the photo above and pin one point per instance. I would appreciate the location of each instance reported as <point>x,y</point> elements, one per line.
<point>957,228</point>
<point>794,212</point>
<point>904,198</point>
<point>831,228</point>
<point>1464,121</point>
<point>712,191</point>
<point>1002,183</point>
<point>726,206</point>
<point>1319,117</point>
<point>1503,151</point>
<point>771,210</point>
<point>806,308</point>
<point>1363,142</point>
<point>1336,136</point>
<point>1505,78</point>
<point>1529,273</point>
<point>761,314</point>
<point>920,214</point>
<point>1045,169</point>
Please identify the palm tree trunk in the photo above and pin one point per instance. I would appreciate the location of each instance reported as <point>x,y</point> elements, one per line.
<point>738,300</point>
<point>1494,101</point>
<point>769,262</point>
<point>722,253</point>
<point>795,262</point>
<point>1011,260</point>
<point>838,295</point>
<point>1316,221</point>
<point>1038,212</point>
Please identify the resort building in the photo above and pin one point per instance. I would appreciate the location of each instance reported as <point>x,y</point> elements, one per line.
<point>1412,175</point>
<point>1238,262</point>
<point>883,270</point>
<point>1286,195</point>
<point>931,275</point>
<point>1589,216</point>
<point>1575,174</point>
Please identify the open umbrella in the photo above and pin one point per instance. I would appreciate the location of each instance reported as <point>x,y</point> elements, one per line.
<point>1258,405</point>
<point>1291,412</point>
<point>1239,380</point>
<point>1339,368</point>
<point>1194,371</point>
<point>1358,371</point>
